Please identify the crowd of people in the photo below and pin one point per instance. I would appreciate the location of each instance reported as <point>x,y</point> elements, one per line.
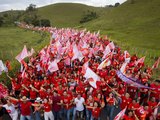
<point>66,94</point>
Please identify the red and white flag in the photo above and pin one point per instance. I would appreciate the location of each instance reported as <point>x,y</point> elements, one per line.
<point>123,67</point>
<point>111,45</point>
<point>141,61</point>
<point>156,64</point>
<point>4,91</point>
<point>106,51</point>
<point>120,114</point>
<point>24,75</point>
<point>92,77</point>
<point>22,54</point>
<point>101,48</point>
<point>53,66</point>
<point>127,56</point>
<point>84,67</point>
<point>31,52</point>
<point>2,67</point>
<point>77,54</point>
<point>67,61</point>
<point>105,63</point>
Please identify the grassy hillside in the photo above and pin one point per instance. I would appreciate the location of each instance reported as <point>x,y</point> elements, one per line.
<point>12,41</point>
<point>135,27</point>
<point>65,14</point>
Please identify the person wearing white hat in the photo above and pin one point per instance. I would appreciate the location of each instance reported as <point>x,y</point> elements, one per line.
<point>38,108</point>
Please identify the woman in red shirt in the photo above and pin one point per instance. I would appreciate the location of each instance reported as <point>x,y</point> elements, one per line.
<point>110,105</point>
<point>47,110</point>
<point>89,106</point>
<point>96,111</point>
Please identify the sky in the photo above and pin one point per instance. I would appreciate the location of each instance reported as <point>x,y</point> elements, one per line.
<point>22,4</point>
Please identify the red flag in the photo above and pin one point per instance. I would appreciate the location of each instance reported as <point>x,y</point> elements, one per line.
<point>120,114</point>
<point>8,65</point>
<point>24,64</point>
<point>3,91</point>
<point>141,61</point>
<point>22,54</point>
<point>23,75</point>
<point>156,64</point>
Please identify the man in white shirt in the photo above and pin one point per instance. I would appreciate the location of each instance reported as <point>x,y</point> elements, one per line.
<point>79,101</point>
<point>11,110</point>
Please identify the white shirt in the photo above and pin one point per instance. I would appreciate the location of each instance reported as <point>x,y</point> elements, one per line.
<point>10,109</point>
<point>79,104</point>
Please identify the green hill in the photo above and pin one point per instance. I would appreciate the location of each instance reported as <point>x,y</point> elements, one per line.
<point>66,14</point>
<point>135,27</point>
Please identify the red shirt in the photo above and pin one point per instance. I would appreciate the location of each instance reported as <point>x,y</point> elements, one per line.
<point>96,113</point>
<point>133,106</point>
<point>47,107</point>
<point>24,92</point>
<point>152,104</point>
<point>33,94</point>
<point>25,108</point>
<point>125,117</point>
<point>156,91</point>
<point>66,101</point>
<point>125,102</point>
<point>55,105</point>
<point>37,84</point>
<point>111,101</point>
<point>89,103</point>
<point>42,94</point>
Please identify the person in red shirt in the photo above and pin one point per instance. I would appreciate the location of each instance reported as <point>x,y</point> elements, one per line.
<point>32,92</point>
<point>67,102</point>
<point>134,105</point>
<point>96,111</point>
<point>156,91</point>
<point>56,105</point>
<point>110,105</point>
<point>126,100</point>
<point>25,107</point>
<point>152,103</point>
<point>89,106</point>
<point>47,110</point>
<point>37,84</point>
<point>16,86</point>
<point>129,115</point>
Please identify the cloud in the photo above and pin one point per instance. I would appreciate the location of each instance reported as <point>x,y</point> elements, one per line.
<point>22,4</point>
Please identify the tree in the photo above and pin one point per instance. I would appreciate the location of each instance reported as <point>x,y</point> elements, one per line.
<point>1,21</point>
<point>31,8</point>
<point>117,4</point>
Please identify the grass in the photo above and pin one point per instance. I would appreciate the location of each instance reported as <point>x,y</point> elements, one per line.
<point>12,41</point>
<point>65,14</point>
